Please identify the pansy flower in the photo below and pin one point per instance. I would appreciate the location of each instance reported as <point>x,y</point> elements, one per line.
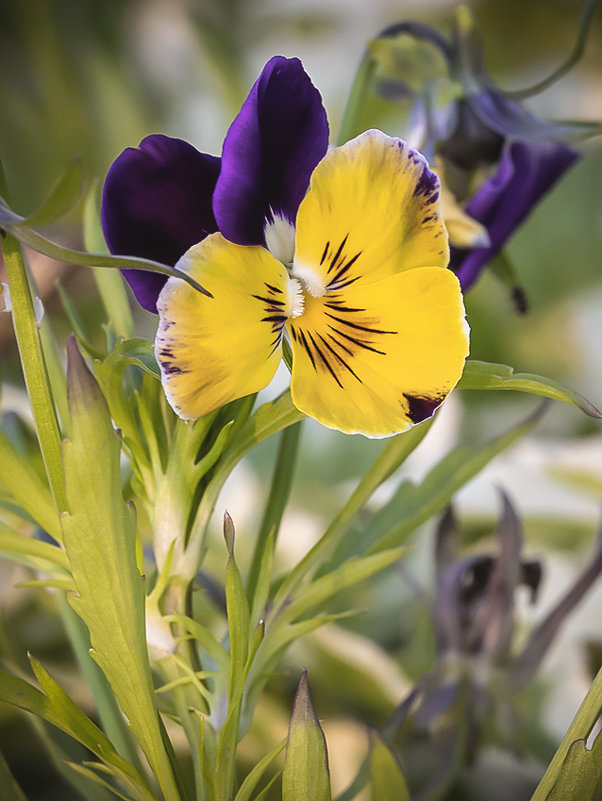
<point>359,286</point>
<point>351,271</point>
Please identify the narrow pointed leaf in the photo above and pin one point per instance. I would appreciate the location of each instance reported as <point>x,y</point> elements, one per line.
<point>27,487</point>
<point>484,375</point>
<point>55,707</point>
<point>413,504</point>
<point>254,776</point>
<point>387,782</point>
<point>62,198</point>
<point>305,776</point>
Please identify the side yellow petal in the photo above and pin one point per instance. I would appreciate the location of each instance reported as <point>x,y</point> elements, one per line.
<point>378,359</point>
<point>212,350</point>
<point>372,211</point>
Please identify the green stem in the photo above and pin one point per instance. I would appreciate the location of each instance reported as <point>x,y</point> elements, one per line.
<point>110,716</point>
<point>584,721</point>
<point>280,491</point>
<point>191,727</point>
<point>39,243</point>
<point>574,56</point>
<point>34,367</point>
<point>390,458</point>
<point>359,90</point>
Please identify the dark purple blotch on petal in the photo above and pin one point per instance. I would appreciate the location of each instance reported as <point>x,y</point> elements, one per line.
<point>156,204</point>
<point>270,152</point>
<point>420,409</point>
<point>526,172</point>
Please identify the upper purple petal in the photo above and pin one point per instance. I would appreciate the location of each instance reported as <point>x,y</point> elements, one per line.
<point>526,171</point>
<point>156,204</point>
<point>270,152</point>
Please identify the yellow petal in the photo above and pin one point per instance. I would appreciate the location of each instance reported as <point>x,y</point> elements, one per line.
<point>372,211</point>
<point>212,350</point>
<point>377,359</point>
<point>463,231</point>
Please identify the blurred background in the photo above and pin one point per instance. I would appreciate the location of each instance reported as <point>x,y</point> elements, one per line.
<point>91,78</point>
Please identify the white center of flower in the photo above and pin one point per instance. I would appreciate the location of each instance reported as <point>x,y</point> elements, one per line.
<point>310,280</point>
<point>280,239</point>
<point>296,299</point>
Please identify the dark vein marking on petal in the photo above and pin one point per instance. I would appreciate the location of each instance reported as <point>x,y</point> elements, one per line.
<point>345,268</point>
<point>341,345</point>
<point>273,288</point>
<point>305,344</point>
<point>335,258</point>
<point>340,359</point>
<point>358,342</point>
<point>324,360</point>
<point>325,253</point>
<point>357,326</point>
<point>336,305</point>
<point>272,301</point>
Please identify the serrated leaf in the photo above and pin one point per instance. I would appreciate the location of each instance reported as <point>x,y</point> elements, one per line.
<point>305,776</point>
<point>62,198</point>
<point>486,375</point>
<point>580,777</point>
<point>387,782</point>
<point>100,539</point>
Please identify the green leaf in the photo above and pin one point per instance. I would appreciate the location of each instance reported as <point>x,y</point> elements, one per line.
<point>580,776</point>
<point>10,788</point>
<point>351,572</point>
<point>139,352</point>
<point>237,609</point>
<point>62,198</point>
<point>484,375</point>
<point>100,539</point>
<point>86,770</point>
<point>413,504</point>
<point>387,782</point>
<point>305,776</point>
<point>17,546</point>
<point>254,776</point>
<point>54,706</point>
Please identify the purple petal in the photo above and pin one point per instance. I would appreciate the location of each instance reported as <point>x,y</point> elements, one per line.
<point>270,152</point>
<point>525,173</point>
<point>156,204</point>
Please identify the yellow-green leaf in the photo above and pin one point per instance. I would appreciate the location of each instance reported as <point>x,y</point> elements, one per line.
<point>387,782</point>
<point>484,375</point>
<point>305,776</point>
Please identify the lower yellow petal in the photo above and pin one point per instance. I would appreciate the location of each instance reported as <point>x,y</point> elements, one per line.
<point>378,359</point>
<point>212,350</point>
